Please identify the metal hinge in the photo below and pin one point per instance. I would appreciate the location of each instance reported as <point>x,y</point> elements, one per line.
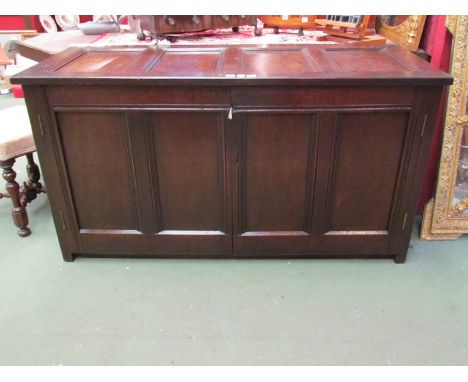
<point>39,121</point>
<point>64,227</point>
<point>424,125</point>
<point>404,221</point>
<point>230,113</point>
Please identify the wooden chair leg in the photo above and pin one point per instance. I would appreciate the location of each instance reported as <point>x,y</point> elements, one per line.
<point>20,216</point>
<point>32,187</point>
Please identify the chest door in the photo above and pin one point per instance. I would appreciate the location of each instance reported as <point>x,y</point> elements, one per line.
<point>275,174</point>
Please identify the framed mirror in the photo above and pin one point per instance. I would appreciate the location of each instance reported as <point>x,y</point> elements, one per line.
<point>404,30</point>
<point>446,215</point>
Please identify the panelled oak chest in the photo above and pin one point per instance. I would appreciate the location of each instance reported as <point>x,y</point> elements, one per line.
<point>233,151</point>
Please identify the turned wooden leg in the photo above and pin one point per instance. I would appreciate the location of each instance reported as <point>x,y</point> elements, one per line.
<point>20,216</point>
<point>32,187</point>
<point>33,172</point>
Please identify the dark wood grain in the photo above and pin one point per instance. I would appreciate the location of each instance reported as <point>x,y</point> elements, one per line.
<point>190,155</point>
<point>233,151</point>
<point>319,65</point>
<point>276,167</point>
<point>96,154</point>
<point>367,156</point>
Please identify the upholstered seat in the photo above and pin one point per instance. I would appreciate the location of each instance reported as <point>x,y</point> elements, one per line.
<point>15,133</point>
<point>16,140</point>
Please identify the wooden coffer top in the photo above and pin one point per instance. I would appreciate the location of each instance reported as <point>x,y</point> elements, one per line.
<point>237,65</point>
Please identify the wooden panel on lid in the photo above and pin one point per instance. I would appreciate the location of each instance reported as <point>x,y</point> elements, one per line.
<point>363,60</point>
<point>104,62</point>
<point>192,62</point>
<point>237,65</point>
<point>278,62</point>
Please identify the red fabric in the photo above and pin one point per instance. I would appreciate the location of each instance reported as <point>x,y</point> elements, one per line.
<point>17,91</point>
<point>437,42</point>
<point>17,22</point>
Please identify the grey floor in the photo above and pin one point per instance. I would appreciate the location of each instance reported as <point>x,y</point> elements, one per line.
<point>212,312</point>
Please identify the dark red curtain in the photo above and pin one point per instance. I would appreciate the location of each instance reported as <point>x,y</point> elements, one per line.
<point>18,22</point>
<point>437,43</point>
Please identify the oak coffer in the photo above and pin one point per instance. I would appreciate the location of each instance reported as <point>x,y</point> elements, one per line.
<point>233,151</point>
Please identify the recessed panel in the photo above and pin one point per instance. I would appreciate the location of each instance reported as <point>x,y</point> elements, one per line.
<point>276,170</point>
<point>188,62</point>
<point>103,62</point>
<point>277,62</point>
<point>189,153</point>
<point>368,150</point>
<point>98,165</point>
<point>362,60</point>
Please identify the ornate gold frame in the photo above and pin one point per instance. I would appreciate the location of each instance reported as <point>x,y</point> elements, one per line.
<point>442,220</point>
<point>407,34</point>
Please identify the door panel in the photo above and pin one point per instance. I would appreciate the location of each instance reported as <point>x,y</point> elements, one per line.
<point>179,183</point>
<point>275,153</point>
<point>90,143</point>
<point>190,164</point>
<point>148,183</point>
<point>363,160</point>
<point>319,184</point>
<point>367,155</point>
<point>275,180</point>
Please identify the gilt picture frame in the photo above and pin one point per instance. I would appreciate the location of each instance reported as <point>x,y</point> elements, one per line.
<point>446,216</point>
<point>407,34</point>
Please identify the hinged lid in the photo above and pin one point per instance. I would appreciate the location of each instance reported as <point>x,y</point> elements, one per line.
<point>237,65</point>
